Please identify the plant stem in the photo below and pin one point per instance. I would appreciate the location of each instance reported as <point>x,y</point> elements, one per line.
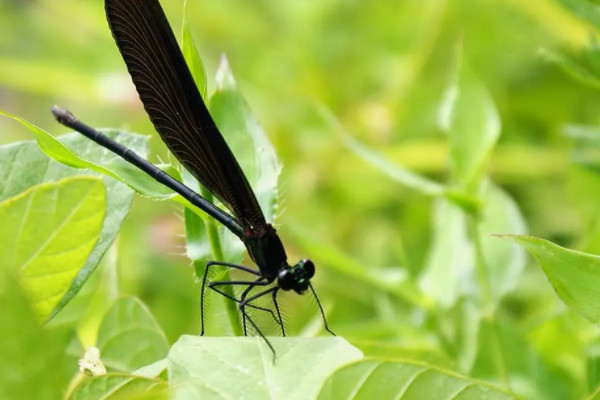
<point>480,265</point>
<point>217,252</point>
<point>112,274</point>
<point>488,307</point>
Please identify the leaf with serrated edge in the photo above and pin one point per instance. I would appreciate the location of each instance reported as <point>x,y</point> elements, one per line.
<point>574,275</point>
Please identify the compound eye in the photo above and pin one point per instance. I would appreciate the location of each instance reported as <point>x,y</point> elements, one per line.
<point>308,267</point>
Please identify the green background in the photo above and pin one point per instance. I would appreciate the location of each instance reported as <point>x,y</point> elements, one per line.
<point>382,69</point>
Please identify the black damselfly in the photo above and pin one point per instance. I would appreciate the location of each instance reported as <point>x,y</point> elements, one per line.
<point>171,99</point>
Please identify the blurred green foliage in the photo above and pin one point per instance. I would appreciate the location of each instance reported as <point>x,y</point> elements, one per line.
<point>381,71</point>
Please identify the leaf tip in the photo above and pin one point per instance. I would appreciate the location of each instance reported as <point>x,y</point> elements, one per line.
<point>224,79</point>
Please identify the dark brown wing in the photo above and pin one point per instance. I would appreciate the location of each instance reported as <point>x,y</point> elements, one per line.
<point>174,104</point>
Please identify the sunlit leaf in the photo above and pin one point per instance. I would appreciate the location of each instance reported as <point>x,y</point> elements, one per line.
<point>23,165</point>
<point>48,255</point>
<point>216,368</point>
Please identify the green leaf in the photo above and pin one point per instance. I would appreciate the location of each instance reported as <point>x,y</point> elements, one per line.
<point>190,53</point>
<point>154,370</point>
<point>595,395</point>
<point>242,367</point>
<point>586,139</point>
<point>23,165</point>
<point>49,255</point>
<point>450,268</point>
<point>584,68</point>
<point>393,170</point>
<point>504,349</point>
<point>574,275</point>
<point>129,336</point>
<point>196,243</point>
<point>470,118</point>
<point>121,387</point>
<point>504,261</point>
<point>450,257</point>
<point>246,139</point>
<point>30,364</point>
<point>115,167</point>
<point>371,379</point>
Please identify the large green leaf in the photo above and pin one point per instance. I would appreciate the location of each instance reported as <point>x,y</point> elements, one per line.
<point>129,336</point>
<point>23,165</point>
<point>48,233</point>
<point>470,118</point>
<point>243,367</point>
<point>372,379</point>
<point>574,275</point>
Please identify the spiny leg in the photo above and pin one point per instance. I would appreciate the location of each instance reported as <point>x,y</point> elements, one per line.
<point>242,310</point>
<point>320,309</point>
<point>278,312</point>
<point>242,298</point>
<point>277,318</point>
<point>204,278</point>
<point>213,285</point>
<point>251,285</point>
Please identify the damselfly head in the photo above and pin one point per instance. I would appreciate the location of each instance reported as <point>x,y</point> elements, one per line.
<point>296,277</point>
